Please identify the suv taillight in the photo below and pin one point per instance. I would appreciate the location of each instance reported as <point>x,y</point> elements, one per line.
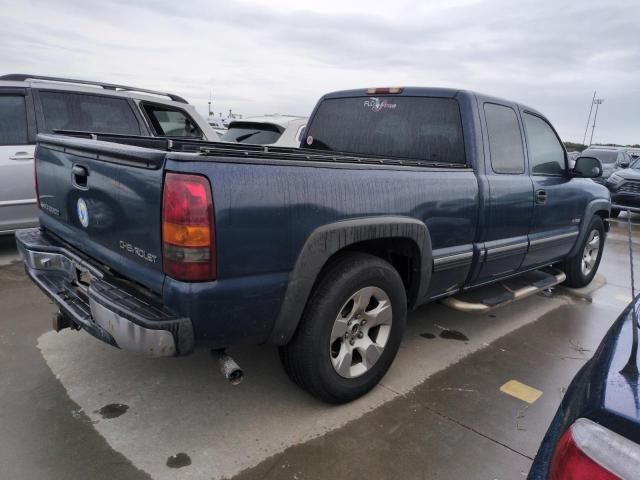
<point>588,450</point>
<point>188,228</point>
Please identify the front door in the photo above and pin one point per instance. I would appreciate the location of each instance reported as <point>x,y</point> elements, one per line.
<point>510,203</point>
<point>558,200</point>
<point>17,192</point>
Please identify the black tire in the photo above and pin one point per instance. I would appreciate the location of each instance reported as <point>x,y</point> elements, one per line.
<point>576,278</point>
<point>615,212</point>
<point>307,358</point>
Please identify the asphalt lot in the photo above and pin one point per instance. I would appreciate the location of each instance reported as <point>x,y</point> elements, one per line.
<point>74,408</point>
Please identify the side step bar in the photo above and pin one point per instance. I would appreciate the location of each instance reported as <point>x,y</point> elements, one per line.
<point>492,301</point>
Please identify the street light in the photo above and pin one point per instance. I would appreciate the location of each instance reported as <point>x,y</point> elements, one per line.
<point>597,102</point>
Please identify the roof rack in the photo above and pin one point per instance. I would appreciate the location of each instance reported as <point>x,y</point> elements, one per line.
<point>21,77</point>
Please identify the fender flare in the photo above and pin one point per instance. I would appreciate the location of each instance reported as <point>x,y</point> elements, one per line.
<point>327,240</point>
<point>594,206</point>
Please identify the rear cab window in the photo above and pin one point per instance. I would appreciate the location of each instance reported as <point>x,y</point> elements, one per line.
<point>252,132</point>
<point>417,128</point>
<point>171,122</point>
<point>87,113</point>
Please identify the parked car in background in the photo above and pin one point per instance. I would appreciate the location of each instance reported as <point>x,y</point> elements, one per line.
<point>402,197</point>
<point>595,433</point>
<point>572,157</point>
<point>31,104</point>
<point>277,130</point>
<point>612,159</point>
<point>218,124</point>
<point>624,185</point>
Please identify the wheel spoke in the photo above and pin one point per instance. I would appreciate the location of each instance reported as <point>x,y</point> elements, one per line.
<point>370,352</point>
<point>339,328</point>
<point>380,315</point>
<point>361,300</point>
<point>342,362</point>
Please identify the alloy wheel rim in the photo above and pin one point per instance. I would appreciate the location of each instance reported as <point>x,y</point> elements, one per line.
<point>360,332</point>
<point>590,252</point>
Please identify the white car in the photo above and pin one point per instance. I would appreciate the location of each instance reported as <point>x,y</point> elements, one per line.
<point>31,104</point>
<point>276,130</point>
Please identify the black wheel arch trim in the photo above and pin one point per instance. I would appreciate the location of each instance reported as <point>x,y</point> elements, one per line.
<point>598,205</point>
<point>327,240</point>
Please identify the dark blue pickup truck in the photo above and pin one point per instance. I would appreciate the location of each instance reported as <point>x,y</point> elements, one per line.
<point>397,197</point>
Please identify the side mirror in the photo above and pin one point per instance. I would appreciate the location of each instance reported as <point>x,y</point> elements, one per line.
<point>587,167</point>
<point>624,164</point>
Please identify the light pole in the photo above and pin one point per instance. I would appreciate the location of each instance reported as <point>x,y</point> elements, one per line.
<point>598,102</point>
<point>586,128</point>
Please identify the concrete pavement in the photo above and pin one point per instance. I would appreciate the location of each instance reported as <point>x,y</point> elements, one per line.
<point>81,409</point>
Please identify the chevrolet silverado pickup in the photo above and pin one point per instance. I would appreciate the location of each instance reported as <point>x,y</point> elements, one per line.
<point>397,197</point>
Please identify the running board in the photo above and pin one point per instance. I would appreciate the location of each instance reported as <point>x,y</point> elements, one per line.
<point>487,298</point>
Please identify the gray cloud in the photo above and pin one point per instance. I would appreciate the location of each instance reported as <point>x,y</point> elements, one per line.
<point>265,57</point>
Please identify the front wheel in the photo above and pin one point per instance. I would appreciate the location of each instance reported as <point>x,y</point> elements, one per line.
<point>350,331</point>
<point>581,269</point>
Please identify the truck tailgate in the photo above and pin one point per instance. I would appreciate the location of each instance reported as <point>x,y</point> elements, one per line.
<point>105,200</point>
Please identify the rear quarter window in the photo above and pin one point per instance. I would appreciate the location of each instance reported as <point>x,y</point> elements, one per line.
<point>88,113</point>
<point>416,128</point>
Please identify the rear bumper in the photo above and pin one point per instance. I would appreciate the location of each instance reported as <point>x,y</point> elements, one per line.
<point>110,309</point>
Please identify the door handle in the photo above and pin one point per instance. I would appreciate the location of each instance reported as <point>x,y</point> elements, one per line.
<point>79,171</point>
<point>19,156</point>
<point>541,196</point>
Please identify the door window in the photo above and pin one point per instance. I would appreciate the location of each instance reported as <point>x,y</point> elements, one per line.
<point>505,139</point>
<point>88,113</point>
<point>168,122</point>
<point>546,154</point>
<point>13,120</point>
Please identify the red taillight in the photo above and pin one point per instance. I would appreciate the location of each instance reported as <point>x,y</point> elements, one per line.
<point>188,231</point>
<point>589,451</point>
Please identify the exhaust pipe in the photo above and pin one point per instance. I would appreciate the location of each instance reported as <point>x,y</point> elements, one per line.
<point>228,367</point>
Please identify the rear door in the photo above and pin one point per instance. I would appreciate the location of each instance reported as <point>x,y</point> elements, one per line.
<point>559,200</point>
<point>510,206</point>
<point>17,135</point>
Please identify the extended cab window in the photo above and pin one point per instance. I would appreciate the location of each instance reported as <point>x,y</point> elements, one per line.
<point>419,128</point>
<point>169,122</point>
<point>13,120</point>
<point>88,113</point>
<point>505,139</point>
<point>546,153</point>
<point>252,132</point>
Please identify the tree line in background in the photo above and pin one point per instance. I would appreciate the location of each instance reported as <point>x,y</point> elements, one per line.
<point>578,147</point>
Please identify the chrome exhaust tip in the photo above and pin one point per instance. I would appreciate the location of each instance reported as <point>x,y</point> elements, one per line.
<point>228,367</point>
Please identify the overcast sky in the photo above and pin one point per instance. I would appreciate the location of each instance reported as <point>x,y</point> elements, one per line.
<point>267,56</point>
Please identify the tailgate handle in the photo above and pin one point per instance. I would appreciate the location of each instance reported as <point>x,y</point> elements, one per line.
<point>80,175</point>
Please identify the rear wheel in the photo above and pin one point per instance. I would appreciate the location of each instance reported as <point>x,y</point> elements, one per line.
<point>350,331</point>
<point>581,269</point>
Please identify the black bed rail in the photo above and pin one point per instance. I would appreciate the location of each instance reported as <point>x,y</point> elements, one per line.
<point>244,150</point>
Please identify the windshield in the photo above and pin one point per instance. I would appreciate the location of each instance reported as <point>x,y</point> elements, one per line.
<point>605,156</point>
<point>250,132</point>
<point>420,128</point>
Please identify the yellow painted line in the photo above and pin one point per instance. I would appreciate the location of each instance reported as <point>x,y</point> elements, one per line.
<point>521,391</point>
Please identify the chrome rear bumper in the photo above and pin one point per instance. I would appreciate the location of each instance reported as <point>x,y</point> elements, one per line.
<point>108,308</point>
